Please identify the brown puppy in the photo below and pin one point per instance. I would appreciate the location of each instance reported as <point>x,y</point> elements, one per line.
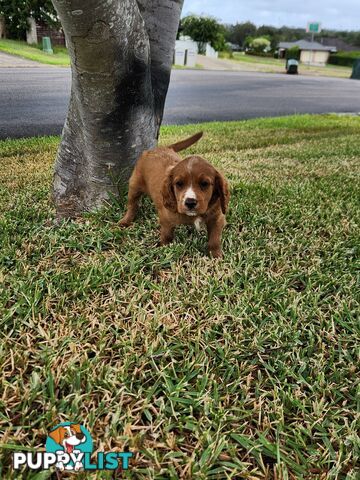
<point>188,191</point>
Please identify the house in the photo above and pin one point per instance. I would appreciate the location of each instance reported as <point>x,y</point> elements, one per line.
<point>311,53</point>
<point>234,47</point>
<point>186,51</point>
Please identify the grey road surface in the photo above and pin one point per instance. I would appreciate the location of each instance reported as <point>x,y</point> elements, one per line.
<point>33,101</point>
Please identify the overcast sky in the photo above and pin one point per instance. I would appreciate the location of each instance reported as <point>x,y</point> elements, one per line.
<point>334,14</point>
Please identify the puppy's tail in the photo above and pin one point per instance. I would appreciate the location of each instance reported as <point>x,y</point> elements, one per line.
<point>186,143</point>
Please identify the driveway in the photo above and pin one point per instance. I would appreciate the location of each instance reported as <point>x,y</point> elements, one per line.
<point>34,100</point>
<point>212,63</point>
<point>12,61</point>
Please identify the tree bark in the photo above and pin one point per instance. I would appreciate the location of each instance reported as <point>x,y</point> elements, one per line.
<point>121,55</point>
<point>31,34</point>
<point>162,19</point>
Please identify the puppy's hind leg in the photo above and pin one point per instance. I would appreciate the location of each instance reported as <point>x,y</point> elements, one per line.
<point>135,192</point>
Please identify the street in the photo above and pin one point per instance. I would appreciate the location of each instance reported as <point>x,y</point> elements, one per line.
<point>34,100</point>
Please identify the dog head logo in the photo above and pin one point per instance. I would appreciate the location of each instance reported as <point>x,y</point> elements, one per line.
<point>69,441</point>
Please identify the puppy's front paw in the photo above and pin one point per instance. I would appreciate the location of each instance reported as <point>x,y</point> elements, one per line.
<point>164,242</point>
<point>215,253</point>
<point>124,222</point>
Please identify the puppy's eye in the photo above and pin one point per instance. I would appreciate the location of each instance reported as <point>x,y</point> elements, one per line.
<point>204,184</point>
<point>179,183</point>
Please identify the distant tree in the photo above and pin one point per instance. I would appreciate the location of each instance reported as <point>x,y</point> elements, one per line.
<point>204,29</point>
<point>356,40</point>
<point>260,44</point>
<point>227,31</point>
<point>272,33</point>
<point>17,12</point>
<point>352,38</point>
<point>266,31</point>
<point>239,32</point>
<point>247,42</point>
<point>288,34</point>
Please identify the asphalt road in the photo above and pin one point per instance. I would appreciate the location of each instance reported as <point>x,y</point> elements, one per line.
<point>33,101</point>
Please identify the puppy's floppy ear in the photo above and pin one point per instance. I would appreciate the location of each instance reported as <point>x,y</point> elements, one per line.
<point>168,193</point>
<point>58,435</point>
<point>221,190</point>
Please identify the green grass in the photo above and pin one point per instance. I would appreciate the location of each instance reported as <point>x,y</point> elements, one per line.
<point>240,57</point>
<point>22,49</point>
<point>241,368</point>
<point>276,65</point>
<point>271,61</point>
<point>181,67</point>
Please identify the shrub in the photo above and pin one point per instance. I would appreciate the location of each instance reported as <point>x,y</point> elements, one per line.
<point>345,59</point>
<point>293,52</point>
<point>226,53</point>
<point>260,44</point>
<point>259,54</point>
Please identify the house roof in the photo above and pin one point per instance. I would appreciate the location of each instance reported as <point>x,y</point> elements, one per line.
<point>339,44</point>
<point>306,45</point>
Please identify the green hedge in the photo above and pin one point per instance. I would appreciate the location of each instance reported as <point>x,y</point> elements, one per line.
<point>259,54</point>
<point>293,52</point>
<point>346,59</point>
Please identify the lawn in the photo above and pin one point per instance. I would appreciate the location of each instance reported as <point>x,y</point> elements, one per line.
<point>22,49</point>
<point>275,65</point>
<point>240,57</point>
<point>245,367</point>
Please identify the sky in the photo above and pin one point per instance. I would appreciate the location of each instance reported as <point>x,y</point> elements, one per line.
<point>333,14</point>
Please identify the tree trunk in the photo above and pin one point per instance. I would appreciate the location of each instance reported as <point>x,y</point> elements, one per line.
<point>2,27</point>
<point>121,54</point>
<point>31,34</point>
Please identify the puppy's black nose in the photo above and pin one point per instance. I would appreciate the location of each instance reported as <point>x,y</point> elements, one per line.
<point>80,436</point>
<point>190,203</point>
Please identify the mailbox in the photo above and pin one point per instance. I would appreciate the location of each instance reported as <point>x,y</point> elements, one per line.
<point>292,66</point>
